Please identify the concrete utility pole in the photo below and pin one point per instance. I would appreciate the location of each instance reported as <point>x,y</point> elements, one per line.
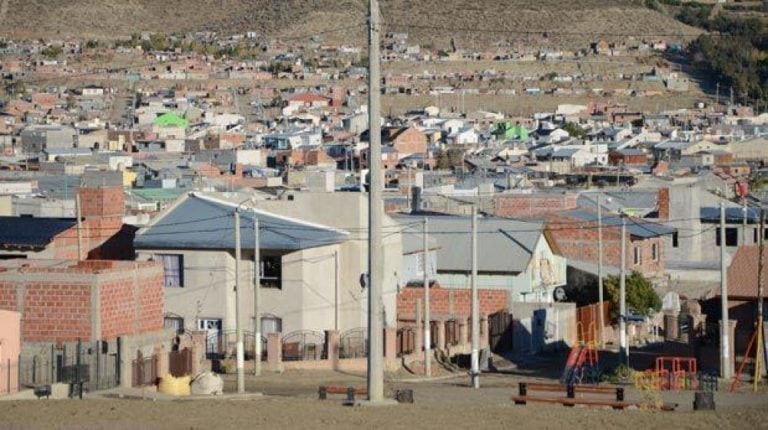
<point>759,357</point>
<point>725,343</point>
<point>475,307</point>
<point>427,325</point>
<point>624,350</point>
<point>375,214</point>
<point>336,294</point>
<point>238,324</point>
<point>256,296</point>
<point>744,211</point>
<point>600,267</point>
<point>79,228</point>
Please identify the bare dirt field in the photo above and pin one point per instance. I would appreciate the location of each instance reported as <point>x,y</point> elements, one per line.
<point>290,401</point>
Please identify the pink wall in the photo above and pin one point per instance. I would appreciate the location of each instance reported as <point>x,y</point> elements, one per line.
<point>10,347</point>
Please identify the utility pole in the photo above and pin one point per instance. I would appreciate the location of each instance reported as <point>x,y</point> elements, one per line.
<point>79,228</point>
<point>759,338</point>
<point>744,224</point>
<point>256,296</point>
<point>238,324</point>
<point>475,307</point>
<point>600,267</point>
<point>624,350</point>
<point>375,214</point>
<point>717,95</point>
<point>427,325</point>
<point>336,290</point>
<point>725,343</point>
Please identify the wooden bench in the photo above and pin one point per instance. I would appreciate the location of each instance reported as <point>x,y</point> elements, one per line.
<point>350,391</point>
<point>570,400</point>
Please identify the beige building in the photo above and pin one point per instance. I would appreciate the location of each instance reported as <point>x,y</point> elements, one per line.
<point>310,267</point>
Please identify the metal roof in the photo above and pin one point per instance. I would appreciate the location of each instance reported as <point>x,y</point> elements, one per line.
<point>732,214</point>
<point>504,245</point>
<point>29,232</point>
<point>638,228</point>
<point>200,222</point>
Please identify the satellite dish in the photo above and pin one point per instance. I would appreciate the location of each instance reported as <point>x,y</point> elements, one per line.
<point>559,294</point>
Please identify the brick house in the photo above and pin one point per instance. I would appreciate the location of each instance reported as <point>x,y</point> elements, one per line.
<point>576,234</point>
<point>103,233</point>
<point>628,157</point>
<point>532,205</point>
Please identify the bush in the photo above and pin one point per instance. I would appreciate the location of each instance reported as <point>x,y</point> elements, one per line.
<point>640,296</point>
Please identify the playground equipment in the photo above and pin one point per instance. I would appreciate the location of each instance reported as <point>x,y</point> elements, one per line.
<point>582,366</point>
<point>670,374</point>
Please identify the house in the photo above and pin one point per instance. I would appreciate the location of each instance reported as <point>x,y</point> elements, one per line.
<point>39,137</point>
<point>404,140</point>
<point>308,100</point>
<point>628,157</point>
<point>305,281</point>
<point>514,256</point>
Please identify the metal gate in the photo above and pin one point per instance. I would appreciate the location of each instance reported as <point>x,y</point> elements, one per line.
<point>96,365</point>
<point>406,341</point>
<point>353,343</point>
<point>304,345</point>
<point>500,331</point>
<point>144,370</point>
<point>180,362</point>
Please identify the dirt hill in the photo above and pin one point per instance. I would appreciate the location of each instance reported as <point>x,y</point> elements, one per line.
<point>432,22</point>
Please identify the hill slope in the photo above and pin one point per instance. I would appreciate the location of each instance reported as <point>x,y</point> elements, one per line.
<point>427,21</point>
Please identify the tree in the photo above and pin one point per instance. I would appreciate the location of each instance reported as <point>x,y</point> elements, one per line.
<point>52,51</point>
<point>574,130</point>
<point>640,296</point>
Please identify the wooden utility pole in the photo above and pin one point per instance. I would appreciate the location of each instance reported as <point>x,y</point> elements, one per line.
<point>427,324</point>
<point>375,214</point>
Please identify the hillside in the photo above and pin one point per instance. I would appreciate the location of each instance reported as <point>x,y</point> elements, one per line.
<point>434,22</point>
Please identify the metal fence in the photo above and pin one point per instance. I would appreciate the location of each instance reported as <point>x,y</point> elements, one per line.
<point>353,343</point>
<point>144,370</point>
<point>304,345</point>
<point>92,364</point>
<point>223,345</point>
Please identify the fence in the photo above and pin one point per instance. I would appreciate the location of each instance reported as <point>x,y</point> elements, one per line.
<point>180,362</point>
<point>353,343</point>
<point>304,345</point>
<point>406,341</point>
<point>500,333</point>
<point>588,321</point>
<point>452,332</point>
<point>223,345</point>
<point>144,370</point>
<point>92,364</point>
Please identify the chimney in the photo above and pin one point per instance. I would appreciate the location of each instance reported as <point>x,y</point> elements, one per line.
<point>663,203</point>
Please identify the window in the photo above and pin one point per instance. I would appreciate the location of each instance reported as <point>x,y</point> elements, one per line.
<point>655,252</point>
<point>675,240</point>
<point>176,323</point>
<point>173,269</point>
<point>271,324</point>
<point>209,325</point>
<point>638,255</point>
<point>731,236</point>
<point>271,272</point>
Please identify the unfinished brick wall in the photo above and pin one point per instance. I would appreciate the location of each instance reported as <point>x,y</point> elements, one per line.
<point>441,300</point>
<point>410,141</point>
<point>102,202</point>
<point>56,306</point>
<point>51,311</point>
<point>532,205</point>
<point>578,241</point>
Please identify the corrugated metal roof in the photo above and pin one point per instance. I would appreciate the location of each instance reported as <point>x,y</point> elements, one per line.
<point>29,232</point>
<point>204,223</point>
<point>637,228</point>
<point>504,245</point>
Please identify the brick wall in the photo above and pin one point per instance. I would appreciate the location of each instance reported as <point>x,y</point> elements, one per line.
<point>52,311</point>
<point>578,241</point>
<point>102,202</point>
<point>491,301</point>
<point>411,141</point>
<point>56,303</point>
<point>532,205</point>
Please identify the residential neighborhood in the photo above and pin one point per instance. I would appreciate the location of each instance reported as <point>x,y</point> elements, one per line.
<point>262,215</point>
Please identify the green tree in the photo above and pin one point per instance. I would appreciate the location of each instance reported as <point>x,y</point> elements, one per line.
<point>52,51</point>
<point>574,130</point>
<point>640,296</point>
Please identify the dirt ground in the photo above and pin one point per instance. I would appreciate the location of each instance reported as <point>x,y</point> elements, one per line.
<point>290,401</point>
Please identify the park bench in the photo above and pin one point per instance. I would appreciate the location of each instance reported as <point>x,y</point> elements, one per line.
<point>350,391</point>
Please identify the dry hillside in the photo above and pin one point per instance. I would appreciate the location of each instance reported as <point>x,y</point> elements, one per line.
<point>427,21</point>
